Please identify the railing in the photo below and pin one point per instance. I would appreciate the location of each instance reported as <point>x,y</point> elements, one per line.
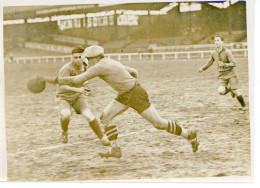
<point>197,47</point>
<point>237,53</point>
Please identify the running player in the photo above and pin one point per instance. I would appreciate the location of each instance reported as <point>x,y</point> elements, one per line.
<point>123,79</point>
<point>228,81</point>
<point>75,97</point>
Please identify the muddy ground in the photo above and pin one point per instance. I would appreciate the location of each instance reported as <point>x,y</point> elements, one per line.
<point>177,90</point>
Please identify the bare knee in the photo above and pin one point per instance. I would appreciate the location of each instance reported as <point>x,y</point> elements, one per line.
<point>157,124</point>
<point>86,113</point>
<point>154,118</point>
<point>160,123</point>
<point>157,121</point>
<point>222,90</point>
<point>236,92</point>
<point>65,114</point>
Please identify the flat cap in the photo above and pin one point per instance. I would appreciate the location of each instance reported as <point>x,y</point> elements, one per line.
<point>93,51</point>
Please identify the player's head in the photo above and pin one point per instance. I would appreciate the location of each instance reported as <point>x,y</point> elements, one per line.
<point>76,54</point>
<point>218,40</point>
<point>93,54</point>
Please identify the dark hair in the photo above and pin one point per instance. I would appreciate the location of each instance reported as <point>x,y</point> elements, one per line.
<point>77,50</point>
<point>220,36</point>
<point>101,56</point>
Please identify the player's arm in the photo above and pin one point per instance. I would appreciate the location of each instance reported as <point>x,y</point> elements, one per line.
<point>86,86</point>
<point>132,71</point>
<point>71,80</point>
<point>207,64</point>
<point>51,80</point>
<point>92,72</point>
<point>231,60</point>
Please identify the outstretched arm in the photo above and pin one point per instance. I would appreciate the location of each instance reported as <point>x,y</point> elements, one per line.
<point>69,80</point>
<point>132,71</point>
<point>51,80</point>
<point>81,78</point>
<point>207,65</point>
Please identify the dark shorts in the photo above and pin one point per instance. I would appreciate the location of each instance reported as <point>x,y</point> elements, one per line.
<point>229,77</point>
<point>135,98</point>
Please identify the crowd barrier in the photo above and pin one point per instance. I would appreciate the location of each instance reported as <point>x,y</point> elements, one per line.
<point>237,53</point>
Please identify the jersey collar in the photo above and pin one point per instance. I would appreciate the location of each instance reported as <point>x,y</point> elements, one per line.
<point>223,49</point>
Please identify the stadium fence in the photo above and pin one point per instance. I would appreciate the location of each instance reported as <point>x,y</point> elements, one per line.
<point>237,53</point>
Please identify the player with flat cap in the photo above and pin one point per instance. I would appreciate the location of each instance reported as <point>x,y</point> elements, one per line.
<point>123,79</point>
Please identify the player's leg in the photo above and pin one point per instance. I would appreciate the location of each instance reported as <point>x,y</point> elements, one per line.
<point>140,102</point>
<point>223,88</point>
<point>65,112</point>
<point>81,107</point>
<point>234,87</point>
<point>172,127</point>
<point>158,122</point>
<point>113,109</point>
<point>228,89</point>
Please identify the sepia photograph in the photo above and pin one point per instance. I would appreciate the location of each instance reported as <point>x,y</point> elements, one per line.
<point>127,91</point>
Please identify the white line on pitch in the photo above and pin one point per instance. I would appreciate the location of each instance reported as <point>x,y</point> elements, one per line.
<point>66,145</point>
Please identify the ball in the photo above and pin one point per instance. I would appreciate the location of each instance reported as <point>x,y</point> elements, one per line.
<point>36,84</point>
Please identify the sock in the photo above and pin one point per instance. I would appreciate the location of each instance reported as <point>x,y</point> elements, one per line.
<point>184,133</point>
<point>174,128</point>
<point>95,126</point>
<point>112,134</point>
<point>241,100</point>
<point>64,124</point>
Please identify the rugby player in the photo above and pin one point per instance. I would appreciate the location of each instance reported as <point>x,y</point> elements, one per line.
<point>227,79</point>
<point>123,79</point>
<point>75,97</point>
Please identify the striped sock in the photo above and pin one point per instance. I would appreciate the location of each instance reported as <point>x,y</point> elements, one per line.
<point>111,132</point>
<point>174,128</point>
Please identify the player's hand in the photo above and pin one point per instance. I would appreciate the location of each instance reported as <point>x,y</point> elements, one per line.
<point>81,90</point>
<point>84,91</point>
<point>221,64</point>
<point>88,93</point>
<point>200,70</point>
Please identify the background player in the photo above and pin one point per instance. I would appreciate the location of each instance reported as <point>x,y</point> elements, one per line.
<point>228,81</point>
<point>75,97</point>
<point>130,94</point>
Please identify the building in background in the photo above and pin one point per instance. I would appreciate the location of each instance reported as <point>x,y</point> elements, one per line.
<point>130,27</point>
